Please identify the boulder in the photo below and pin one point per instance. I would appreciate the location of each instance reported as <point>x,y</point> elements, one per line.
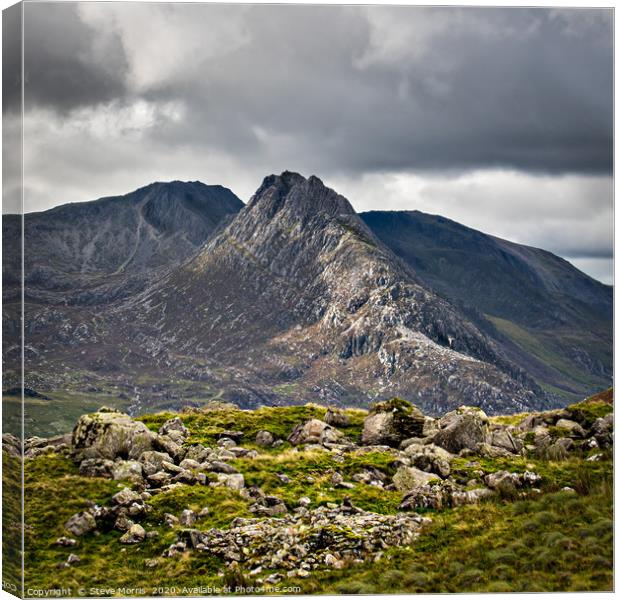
<point>503,481</point>
<point>314,431</point>
<point>159,479</point>
<point>188,518</point>
<point>436,496</point>
<point>459,498</point>
<point>126,497</point>
<point>109,435</point>
<point>235,436</point>
<point>430,458</point>
<point>501,438</point>
<point>573,428</point>
<point>336,418</point>
<point>152,461</point>
<point>391,422</point>
<point>81,524</point>
<point>188,463</point>
<point>264,438</point>
<point>127,469</point>
<point>199,453</point>
<point>408,478</point>
<point>603,429</point>
<point>234,481</point>
<point>175,449</point>
<point>97,467</point>
<point>175,430</point>
<point>134,535</point>
<point>462,429</point>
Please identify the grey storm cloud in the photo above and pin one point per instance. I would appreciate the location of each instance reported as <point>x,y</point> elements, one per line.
<point>66,63</point>
<point>499,118</point>
<point>453,89</point>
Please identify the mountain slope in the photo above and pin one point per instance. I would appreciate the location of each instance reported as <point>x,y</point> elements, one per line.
<point>550,318</point>
<point>296,298</point>
<point>79,246</point>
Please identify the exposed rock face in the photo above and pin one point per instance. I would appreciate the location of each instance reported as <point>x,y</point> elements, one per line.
<point>475,269</point>
<point>392,422</point>
<point>109,434</point>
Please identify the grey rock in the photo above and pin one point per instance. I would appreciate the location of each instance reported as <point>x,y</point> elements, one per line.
<point>188,518</point>
<point>127,469</point>
<point>109,435</point>
<point>126,497</point>
<point>97,467</point>
<point>81,524</point>
<point>408,478</point>
<point>135,535</point>
<point>314,431</point>
<point>264,438</point>
<point>462,430</point>
<point>390,423</point>
<point>336,418</point>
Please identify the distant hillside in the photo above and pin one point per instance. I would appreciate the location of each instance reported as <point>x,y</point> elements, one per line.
<point>550,318</point>
<point>81,245</point>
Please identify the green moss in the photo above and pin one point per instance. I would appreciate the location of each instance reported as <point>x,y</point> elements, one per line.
<point>280,421</point>
<point>395,404</point>
<point>586,412</point>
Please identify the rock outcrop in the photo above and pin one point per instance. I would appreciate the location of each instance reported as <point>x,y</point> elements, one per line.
<point>391,422</point>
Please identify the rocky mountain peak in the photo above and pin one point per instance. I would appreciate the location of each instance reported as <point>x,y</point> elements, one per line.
<point>296,193</point>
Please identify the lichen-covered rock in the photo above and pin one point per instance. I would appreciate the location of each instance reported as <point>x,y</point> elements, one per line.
<point>109,435</point>
<point>152,461</point>
<point>233,481</point>
<point>430,458</point>
<point>408,478</point>
<point>188,518</point>
<point>81,524</point>
<point>126,497</point>
<point>573,428</point>
<point>603,429</point>
<point>462,429</point>
<point>265,438</point>
<point>391,422</point>
<point>135,535</point>
<point>294,542</point>
<point>336,417</point>
<point>314,431</point>
<point>501,438</point>
<point>459,498</point>
<point>130,470</point>
<point>175,429</point>
<point>96,467</point>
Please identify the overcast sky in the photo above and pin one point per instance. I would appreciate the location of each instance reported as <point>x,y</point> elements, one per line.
<point>498,118</point>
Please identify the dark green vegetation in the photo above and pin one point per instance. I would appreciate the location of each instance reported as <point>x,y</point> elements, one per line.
<point>533,541</point>
<point>11,522</point>
<point>551,319</point>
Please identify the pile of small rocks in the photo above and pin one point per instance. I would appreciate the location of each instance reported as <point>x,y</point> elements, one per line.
<point>304,541</point>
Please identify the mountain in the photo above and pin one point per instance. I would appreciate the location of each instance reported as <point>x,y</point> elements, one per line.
<point>549,317</point>
<point>81,246</point>
<point>288,299</point>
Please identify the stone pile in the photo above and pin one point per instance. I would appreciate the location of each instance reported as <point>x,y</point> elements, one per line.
<point>306,540</point>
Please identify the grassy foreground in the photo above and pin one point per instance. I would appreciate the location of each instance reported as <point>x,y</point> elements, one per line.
<point>551,540</point>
